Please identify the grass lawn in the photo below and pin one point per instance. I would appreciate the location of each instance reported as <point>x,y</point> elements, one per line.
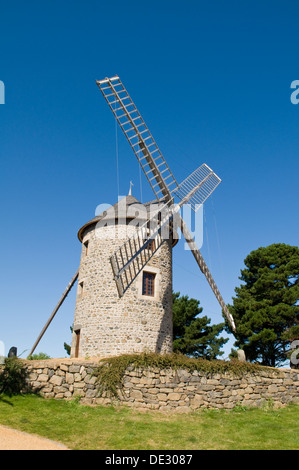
<point>83,427</point>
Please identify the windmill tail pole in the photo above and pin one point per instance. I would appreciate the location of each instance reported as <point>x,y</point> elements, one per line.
<point>62,298</point>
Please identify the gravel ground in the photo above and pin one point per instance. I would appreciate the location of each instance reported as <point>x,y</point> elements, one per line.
<point>10,439</point>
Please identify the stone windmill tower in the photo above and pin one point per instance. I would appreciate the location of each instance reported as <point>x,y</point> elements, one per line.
<point>124,295</point>
<point>106,325</point>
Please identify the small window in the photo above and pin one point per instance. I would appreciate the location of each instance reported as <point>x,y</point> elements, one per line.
<point>85,249</point>
<point>81,288</point>
<point>148,284</point>
<point>151,245</point>
<point>77,344</point>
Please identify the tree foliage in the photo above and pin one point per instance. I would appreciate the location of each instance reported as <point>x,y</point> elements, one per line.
<point>38,357</point>
<point>192,333</point>
<point>266,309</point>
<point>13,377</point>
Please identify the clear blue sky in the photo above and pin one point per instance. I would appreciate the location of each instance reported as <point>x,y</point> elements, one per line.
<point>212,81</point>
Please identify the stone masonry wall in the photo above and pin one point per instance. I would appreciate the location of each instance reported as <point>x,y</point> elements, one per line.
<point>110,325</point>
<point>165,390</point>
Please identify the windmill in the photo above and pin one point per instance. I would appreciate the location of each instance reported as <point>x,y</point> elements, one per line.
<point>136,253</point>
<point>132,256</point>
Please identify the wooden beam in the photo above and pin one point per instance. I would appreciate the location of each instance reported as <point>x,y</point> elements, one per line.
<point>61,300</point>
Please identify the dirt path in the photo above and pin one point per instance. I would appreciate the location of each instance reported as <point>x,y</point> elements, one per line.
<point>11,439</point>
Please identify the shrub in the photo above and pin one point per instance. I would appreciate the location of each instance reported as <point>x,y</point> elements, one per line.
<point>13,377</point>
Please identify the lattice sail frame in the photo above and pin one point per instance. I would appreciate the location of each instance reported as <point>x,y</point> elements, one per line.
<point>208,181</point>
<point>139,137</point>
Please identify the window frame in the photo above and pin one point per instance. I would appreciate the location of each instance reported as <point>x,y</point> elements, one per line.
<point>148,277</point>
<point>151,246</point>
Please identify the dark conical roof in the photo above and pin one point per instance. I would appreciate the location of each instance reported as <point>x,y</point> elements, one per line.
<point>126,208</point>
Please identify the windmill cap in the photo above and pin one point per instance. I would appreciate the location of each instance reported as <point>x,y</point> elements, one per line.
<point>127,208</point>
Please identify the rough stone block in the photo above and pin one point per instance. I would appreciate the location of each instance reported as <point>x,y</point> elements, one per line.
<point>43,378</point>
<point>56,380</point>
<point>174,396</point>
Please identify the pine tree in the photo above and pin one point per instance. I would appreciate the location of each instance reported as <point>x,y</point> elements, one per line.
<point>266,309</point>
<point>192,333</point>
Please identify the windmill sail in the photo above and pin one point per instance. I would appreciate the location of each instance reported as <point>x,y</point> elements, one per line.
<point>205,270</point>
<point>161,180</point>
<point>144,146</point>
<point>131,257</point>
<point>197,187</point>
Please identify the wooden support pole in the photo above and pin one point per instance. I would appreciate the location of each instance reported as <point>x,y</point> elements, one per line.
<point>63,297</point>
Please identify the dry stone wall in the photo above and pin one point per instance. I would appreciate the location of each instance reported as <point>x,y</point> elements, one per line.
<point>165,390</point>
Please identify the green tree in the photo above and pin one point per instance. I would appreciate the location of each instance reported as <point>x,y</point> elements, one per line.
<point>192,334</point>
<point>38,357</point>
<point>266,309</point>
<point>66,346</point>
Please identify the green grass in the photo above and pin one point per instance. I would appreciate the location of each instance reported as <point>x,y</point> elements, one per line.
<point>84,427</point>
